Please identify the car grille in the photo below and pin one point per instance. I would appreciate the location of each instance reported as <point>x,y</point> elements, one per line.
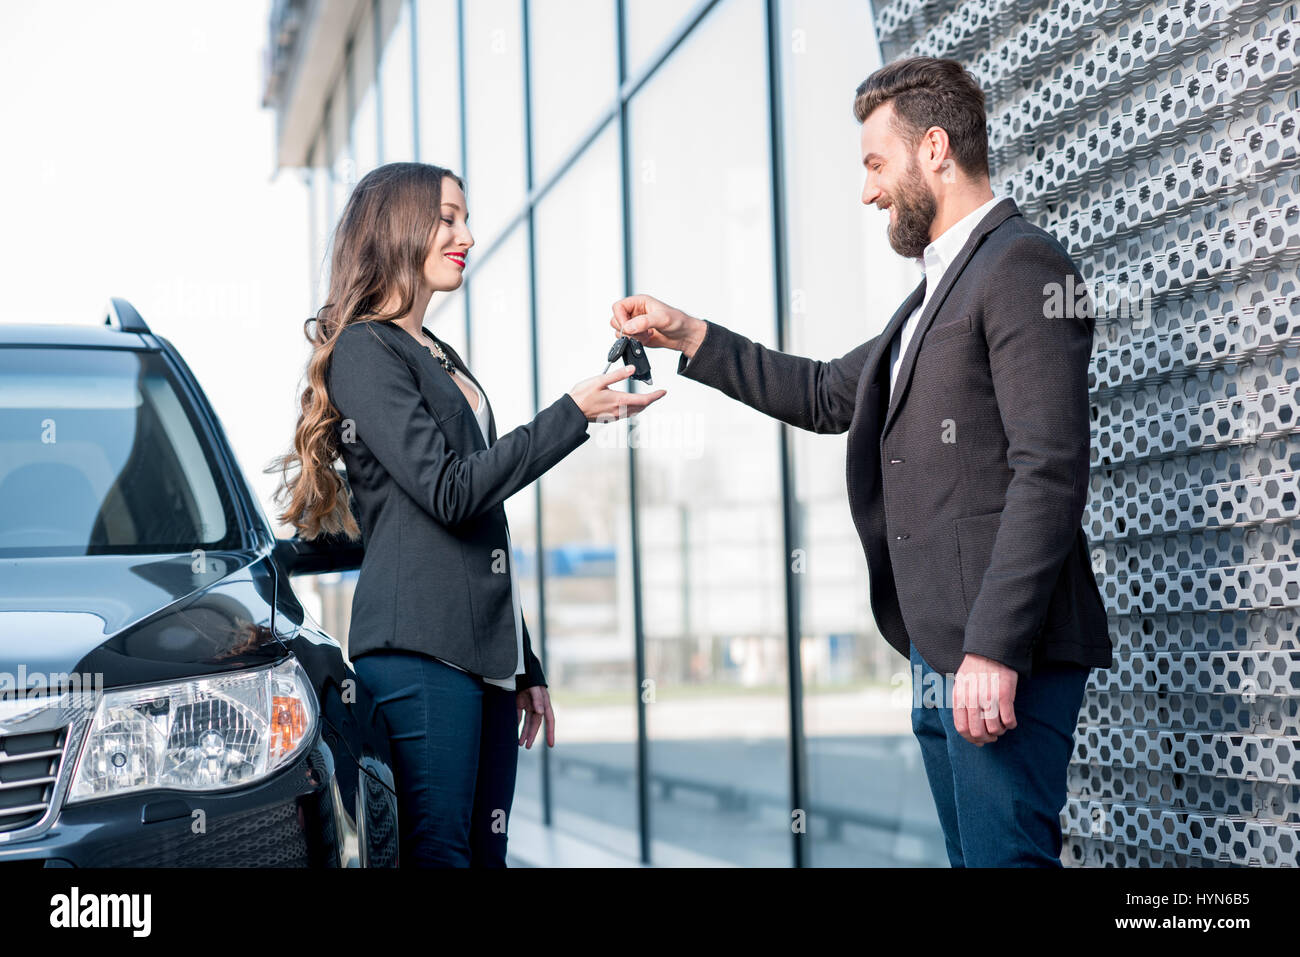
<point>29,768</point>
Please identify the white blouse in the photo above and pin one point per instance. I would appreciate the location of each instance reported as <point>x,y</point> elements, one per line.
<point>481,416</point>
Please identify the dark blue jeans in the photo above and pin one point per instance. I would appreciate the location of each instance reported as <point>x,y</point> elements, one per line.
<point>1000,804</point>
<point>455,754</point>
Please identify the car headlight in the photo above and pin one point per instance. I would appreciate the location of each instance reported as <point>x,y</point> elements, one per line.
<point>204,734</point>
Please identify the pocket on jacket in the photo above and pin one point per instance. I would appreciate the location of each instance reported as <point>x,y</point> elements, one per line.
<point>948,330</point>
<point>443,405</point>
<point>975,537</point>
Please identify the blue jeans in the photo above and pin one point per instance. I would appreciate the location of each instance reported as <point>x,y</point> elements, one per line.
<point>455,753</point>
<point>1000,804</point>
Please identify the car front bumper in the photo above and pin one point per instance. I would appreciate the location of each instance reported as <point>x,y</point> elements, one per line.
<point>294,818</point>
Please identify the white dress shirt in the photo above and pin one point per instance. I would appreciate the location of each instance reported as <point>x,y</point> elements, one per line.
<point>937,257</point>
<point>481,415</point>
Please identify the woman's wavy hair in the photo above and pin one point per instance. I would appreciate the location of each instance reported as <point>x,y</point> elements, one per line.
<point>380,246</point>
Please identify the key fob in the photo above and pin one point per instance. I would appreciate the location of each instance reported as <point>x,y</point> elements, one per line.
<point>628,350</point>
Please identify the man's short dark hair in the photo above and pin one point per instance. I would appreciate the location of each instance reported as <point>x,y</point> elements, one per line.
<point>927,92</point>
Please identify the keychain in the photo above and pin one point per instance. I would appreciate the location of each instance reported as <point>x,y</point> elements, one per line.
<point>631,351</point>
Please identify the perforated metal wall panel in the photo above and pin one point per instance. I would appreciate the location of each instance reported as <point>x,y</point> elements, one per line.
<point>1159,142</point>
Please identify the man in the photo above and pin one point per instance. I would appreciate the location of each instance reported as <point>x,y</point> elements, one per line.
<point>967,461</point>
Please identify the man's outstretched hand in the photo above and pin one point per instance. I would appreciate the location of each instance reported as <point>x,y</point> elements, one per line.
<point>653,323</point>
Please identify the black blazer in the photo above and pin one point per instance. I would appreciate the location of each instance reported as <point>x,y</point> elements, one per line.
<point>435,576</point>
<point>968,490</point>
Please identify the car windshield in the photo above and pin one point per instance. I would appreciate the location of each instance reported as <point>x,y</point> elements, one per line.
<point>99,454</point>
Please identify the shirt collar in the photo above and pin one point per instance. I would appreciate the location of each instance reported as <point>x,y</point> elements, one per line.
<point>939,253</point>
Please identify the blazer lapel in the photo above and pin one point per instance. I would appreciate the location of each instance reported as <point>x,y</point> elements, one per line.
<point>460,365</point>
<point>444,395</point>
<point>870,368</point>
<point>1000,211</point>
<point>863,416</point>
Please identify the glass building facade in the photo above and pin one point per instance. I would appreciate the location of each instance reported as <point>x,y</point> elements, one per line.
<point>694,583</point>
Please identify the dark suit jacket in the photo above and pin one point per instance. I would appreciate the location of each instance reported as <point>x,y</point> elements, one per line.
<point>429,493</point>
<point>968,490</point>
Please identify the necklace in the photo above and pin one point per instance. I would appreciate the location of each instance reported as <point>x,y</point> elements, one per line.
<point>442,356</point>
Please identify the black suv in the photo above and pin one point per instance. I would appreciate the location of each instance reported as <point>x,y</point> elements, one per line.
<point>164,697</point>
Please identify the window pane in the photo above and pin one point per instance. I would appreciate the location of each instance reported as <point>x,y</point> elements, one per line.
<point>438,72</point>
<point>575,73</point>
<point>649,24</point>
<point>521,513</point>
<point>500,331</point>
<point>322,222</point>
<point>102,457</point>
<point>868,797</point>
<point>365,128</point>
<point>591,659</point>
<point>344,170</point>
<point>395,81</point>
<point>494,82</point>
<point>708,477</point>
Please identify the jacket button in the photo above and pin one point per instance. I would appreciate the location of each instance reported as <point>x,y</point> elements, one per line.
<point>894,461</point>
<point>899,538</point>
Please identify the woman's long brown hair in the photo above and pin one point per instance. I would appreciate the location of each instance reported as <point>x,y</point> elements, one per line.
<point>380,246</point>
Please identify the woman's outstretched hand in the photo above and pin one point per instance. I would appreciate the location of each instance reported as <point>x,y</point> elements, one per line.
<point>599,403</point>
<point>536,703</point>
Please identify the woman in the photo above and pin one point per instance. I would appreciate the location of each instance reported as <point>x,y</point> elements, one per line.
<point>437,635</point>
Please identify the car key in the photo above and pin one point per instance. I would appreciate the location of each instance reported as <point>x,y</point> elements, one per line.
<point>629,350</point>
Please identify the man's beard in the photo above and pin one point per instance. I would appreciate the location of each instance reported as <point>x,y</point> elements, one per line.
<point>909,234</point>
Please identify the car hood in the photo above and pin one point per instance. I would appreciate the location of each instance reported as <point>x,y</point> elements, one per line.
<point>134,619</point>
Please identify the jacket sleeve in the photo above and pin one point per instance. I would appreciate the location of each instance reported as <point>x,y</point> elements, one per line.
<point>374,387</point>
<point>1039,366</point>
<point>806,393</point>
<point>533,674</point>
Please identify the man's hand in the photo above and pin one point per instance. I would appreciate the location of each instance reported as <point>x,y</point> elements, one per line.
<point>536,701</point>
<point>653,323</point>
<point>983,693</point>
